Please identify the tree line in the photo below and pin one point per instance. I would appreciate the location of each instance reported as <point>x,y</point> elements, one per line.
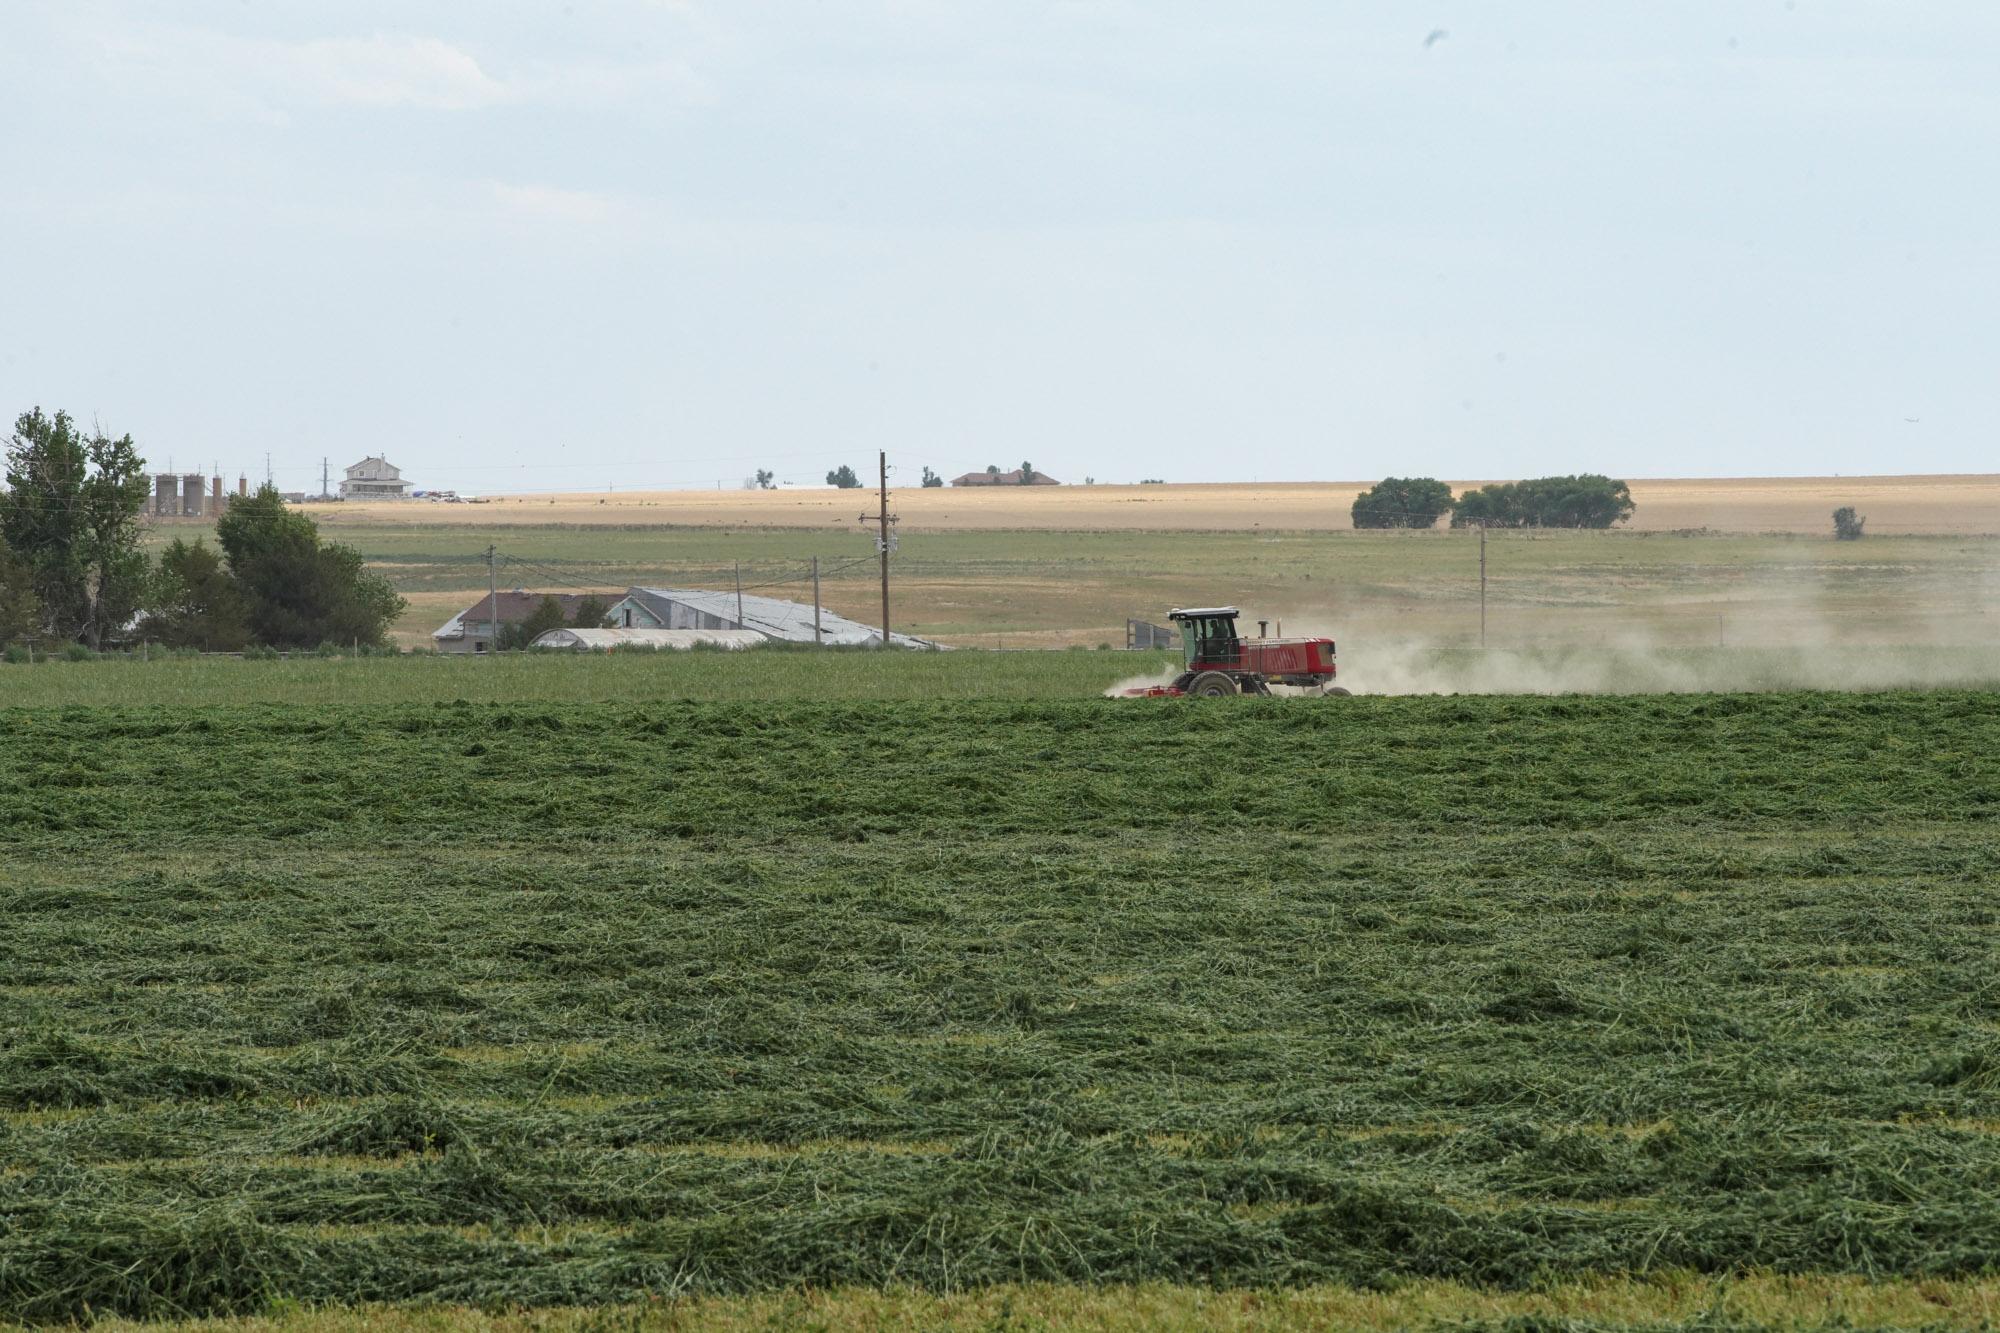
<point>72,569</point>
<point>1584,501</point>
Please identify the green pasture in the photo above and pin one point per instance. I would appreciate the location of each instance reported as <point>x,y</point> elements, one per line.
<point>781,673</point>
<point>1468,1002</point>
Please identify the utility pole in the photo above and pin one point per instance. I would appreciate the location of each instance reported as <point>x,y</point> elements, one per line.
<point>267,467</point>
<point>818,640</point>
<point>1482,585</point>
<point>325,488</point>
<point>739,594</point>
<point>492,600</point>
<point>883,457</point>
<point>885,542</point>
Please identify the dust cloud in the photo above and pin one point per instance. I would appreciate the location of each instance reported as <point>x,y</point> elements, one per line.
<point>1164,677</point>
<point>1374,667</point>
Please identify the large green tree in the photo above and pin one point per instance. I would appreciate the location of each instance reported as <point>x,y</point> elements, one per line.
<point>195,601</point>
<point>301,592</point>
<point>591,612</point>
<point>547,615</point>
<point>20,609</point>
<point>1586,501</point>
<point>71,511</point>
<point>1402,502</point>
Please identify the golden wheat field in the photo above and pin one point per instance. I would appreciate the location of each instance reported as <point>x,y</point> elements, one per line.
<point>1941,505</point>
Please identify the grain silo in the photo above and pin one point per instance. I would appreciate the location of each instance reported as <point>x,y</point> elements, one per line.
<point>166,496</point>
<point>192,500</point>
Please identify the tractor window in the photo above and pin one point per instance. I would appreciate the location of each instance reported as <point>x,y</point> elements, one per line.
<point>1215,638</point>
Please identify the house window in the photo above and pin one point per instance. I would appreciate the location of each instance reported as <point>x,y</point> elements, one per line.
<point>628,617</point>
<point>479,646</point>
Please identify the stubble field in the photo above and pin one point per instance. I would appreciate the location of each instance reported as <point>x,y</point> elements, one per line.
<point>1624,1008</point>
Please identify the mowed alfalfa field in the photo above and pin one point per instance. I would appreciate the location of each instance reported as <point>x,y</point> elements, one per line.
<point>860,990</point>
<point>1654,1011</point>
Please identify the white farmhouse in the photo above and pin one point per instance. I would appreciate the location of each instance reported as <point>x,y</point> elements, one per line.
<point>374,478</point>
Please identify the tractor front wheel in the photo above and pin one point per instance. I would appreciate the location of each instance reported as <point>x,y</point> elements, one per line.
<point>1336,692</point>
<point>1211,685</point>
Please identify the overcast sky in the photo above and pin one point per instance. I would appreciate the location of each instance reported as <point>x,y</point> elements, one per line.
<point>530,246</point>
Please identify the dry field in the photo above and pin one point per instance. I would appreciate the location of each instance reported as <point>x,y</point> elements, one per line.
<point>1941,505</point>
<point>1746,562</point>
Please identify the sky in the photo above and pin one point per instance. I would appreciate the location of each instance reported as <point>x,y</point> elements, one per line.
<point>642,244</point>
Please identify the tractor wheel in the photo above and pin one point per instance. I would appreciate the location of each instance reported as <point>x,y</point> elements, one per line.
<point>1336,692</point>
<point>1211,685</point>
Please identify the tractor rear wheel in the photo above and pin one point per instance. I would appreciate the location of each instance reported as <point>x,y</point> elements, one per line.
<point>1336,692</point>
<point>1211,685</point>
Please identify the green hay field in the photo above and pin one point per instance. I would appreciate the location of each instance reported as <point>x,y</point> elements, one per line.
<point>1498,1007</point>
<point>782,674</point>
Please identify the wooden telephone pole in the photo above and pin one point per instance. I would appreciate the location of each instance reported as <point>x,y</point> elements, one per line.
<point>884,542</point>
<point>1482,585</point>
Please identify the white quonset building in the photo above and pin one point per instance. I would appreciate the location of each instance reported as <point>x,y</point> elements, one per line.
<point>701,608</point>
<point>605,640</point>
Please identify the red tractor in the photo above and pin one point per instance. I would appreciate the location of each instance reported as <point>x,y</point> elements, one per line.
<point>1221,662</point>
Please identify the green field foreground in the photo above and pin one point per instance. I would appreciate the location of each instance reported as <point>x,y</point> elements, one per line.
<point>1672,1301</point>
<point>1028,1012</point>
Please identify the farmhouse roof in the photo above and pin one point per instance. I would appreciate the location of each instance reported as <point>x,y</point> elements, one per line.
<point>515,607</point>
<point>1037,478</point>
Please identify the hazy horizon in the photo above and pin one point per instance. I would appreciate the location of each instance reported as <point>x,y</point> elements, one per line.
<point>655,245</point>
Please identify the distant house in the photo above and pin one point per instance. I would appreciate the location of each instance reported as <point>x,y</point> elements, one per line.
<point>772,617</point>
<point>374,478</point>
<point>473,629</point>
<point>1004,479</point>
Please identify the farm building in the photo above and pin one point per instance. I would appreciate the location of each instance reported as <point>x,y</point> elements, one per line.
<point>1004,479</point>
<point>605,640</point>
<point>374,478</point>
<point>472,630</point>
<point>701,608</point>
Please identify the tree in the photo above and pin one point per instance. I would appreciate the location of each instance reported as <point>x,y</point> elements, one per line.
<point>1847,524</point>
<point>547,615</point>
<point>767,480</point>
<point>1585,501</point>
<point>932,479</point>
<point>71,511</point>
<point>843,477</point>
<point>194,602</point>
<point>1402,502</point>
<point>992,469</point>
<point>20,609</point>
<point>301,592</point>
<point>591,612</point>
<point>1028,474</point>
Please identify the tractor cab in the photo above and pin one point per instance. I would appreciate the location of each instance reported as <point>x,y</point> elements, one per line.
<point>1208,637</point>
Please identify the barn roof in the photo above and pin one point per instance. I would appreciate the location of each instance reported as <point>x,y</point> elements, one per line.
<point>515,607</point>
